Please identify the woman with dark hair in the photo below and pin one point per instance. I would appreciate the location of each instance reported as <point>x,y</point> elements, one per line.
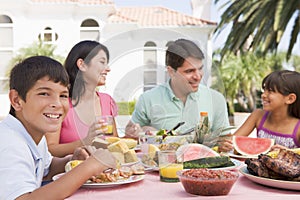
<point>87,66</point>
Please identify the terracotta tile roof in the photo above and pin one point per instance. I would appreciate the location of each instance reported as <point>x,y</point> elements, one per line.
<point>86,2</point>
<point>155,16</point>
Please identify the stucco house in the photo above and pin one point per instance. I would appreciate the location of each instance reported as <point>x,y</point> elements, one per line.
<point>136,36</point>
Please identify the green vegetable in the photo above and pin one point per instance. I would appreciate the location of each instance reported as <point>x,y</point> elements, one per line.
<point>208,162</point>
<point>161,132</point>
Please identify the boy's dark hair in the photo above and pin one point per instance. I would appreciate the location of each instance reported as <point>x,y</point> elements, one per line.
<point>285,82</point>
<point>181,49</point>
<point>25,74</point>
<point>85,50</point>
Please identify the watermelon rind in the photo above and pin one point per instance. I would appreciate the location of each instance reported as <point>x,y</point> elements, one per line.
<point>194,151</point>
<point>248,146</point>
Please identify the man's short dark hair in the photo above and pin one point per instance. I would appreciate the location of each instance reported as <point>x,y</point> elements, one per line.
<point>181,49</point>
<point>25,74</point>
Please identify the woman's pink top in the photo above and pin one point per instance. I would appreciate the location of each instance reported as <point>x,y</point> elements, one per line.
<point>289,141</point>
<point>74,129</point>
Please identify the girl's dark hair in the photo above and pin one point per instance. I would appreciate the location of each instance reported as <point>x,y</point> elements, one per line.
<point>85,50</point>
<point>285,82</point>
<point>25,74</point>
<point>181,49</point>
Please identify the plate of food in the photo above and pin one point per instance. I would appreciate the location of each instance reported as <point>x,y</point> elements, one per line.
<point>120,181</point>
<point>282,184</point>
<point>239,156</point>
<point>236,163</point>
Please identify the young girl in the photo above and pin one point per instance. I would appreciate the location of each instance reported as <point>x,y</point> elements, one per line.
<point>280,116</point>
<point>87,67</point>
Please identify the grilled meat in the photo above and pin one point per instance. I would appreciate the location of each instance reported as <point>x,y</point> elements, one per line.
<point>258,168</point>
<point>285,166</point>
<point>287,163</point>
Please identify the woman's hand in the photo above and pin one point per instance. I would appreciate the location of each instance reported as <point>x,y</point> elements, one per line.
<point>95,129</point>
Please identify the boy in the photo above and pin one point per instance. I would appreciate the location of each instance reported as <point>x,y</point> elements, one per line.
<point>39,102</point>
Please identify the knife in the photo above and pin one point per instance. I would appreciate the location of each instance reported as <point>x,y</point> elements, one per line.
<point>174,128</point>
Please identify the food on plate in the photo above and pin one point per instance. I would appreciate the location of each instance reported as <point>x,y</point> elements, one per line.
<point>152,150</point>
<point>195,151</point>
<point>161,132</point>
<point>274,154</point>
<point>72,164</point>
<point>119,146</point>
<point>131,143</point>
<point>208,162</point>
<point>130,156</point>
<point>100,143</point>
<point>173,146</point>
<point>252,146</point>
<point>110,175</point>
<point>207,182</point>
<point>119,156</point>
<point>112,139</point>
<point>285,166</point>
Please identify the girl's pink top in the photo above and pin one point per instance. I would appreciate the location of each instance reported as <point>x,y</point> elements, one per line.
<point>74,129</point>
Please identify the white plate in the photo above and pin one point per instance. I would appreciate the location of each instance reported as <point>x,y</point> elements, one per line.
<point>129,164</point>
<point>239,156</point>
<point>237,163</point>
<point>290,185</point>
<point>131,179</point>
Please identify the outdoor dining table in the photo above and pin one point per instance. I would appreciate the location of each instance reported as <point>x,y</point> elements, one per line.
<point>152,188</point>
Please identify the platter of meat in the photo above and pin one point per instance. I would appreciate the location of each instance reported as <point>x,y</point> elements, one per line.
<point>281,171</point>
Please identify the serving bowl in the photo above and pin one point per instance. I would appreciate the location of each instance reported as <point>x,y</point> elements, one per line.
<point>207,182</point>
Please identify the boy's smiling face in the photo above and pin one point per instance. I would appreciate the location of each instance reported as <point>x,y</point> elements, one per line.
<point>44,109</point>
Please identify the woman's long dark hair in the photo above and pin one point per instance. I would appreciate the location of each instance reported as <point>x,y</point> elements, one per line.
<point>85,50</point>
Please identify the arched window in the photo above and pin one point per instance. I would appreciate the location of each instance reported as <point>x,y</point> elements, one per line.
<point>89,30</point>
<point>48,35</point>
<point>6,31</point>
<point>6,47</point>
<point>150,65</point>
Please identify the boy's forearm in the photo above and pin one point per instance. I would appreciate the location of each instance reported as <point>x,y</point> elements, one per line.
<point>64,186</point>
<point>57,166</point>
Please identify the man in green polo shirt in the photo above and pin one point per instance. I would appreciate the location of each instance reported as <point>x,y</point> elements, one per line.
<point>182,98</point>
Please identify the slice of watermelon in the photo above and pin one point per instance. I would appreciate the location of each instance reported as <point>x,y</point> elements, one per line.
<point>195,151</point>
<point>252,146</point>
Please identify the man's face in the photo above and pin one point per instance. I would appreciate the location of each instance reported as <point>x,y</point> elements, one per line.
<point>189,74</point>
<point>45,107</point>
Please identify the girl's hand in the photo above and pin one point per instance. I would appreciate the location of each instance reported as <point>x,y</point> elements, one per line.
<point>225,143</point>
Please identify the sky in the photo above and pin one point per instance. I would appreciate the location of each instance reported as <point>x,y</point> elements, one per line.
<point>184,6</point>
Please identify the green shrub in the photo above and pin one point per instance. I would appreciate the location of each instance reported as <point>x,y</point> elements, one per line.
<point>126,107</point>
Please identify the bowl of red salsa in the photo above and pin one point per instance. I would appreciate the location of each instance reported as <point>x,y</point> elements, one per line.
<point>207,182</point>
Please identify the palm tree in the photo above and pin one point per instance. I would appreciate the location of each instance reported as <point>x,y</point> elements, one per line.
<point>264,20</point>
<point>242,76</point>
<point>38,48</point>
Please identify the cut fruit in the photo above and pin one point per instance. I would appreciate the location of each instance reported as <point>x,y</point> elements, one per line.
<point>195,151</point>
<point>131,143</point>
<point>252,146</point>
<point>112,139</point>
<point>152,149</point>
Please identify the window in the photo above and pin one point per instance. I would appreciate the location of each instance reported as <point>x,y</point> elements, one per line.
<point>6,48</point>
<point>150,66</point>
<point>48,36</point>
<point>89,30</point>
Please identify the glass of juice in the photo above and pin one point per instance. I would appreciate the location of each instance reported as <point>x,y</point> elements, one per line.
<point>169,163</point>
<point>108,123</point>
